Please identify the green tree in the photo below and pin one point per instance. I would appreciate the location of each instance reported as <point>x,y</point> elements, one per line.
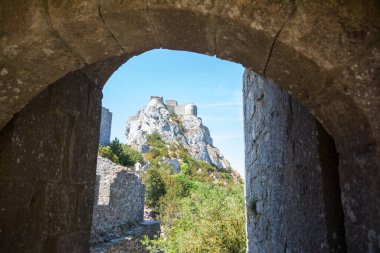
<point>154,187</point>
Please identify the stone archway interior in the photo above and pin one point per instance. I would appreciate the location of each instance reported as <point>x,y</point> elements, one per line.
<point>55,57</point>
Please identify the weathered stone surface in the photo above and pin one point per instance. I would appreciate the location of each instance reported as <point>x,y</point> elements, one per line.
<point>59,209</point>
<point>359,176</point>
<point>119,197</point>
<point>250,25</point>
<point>127,240</point>
<point>76,242</point>
<point>86,195</point>
<point>47,205</point>
<point>169,26</point>
<point>170,17</point>
<point>30,44</point>
<point>292,183</point>
<point>117,224</point>
<point>15,222</point>
<point>130,23</point>
<point>97,42</point>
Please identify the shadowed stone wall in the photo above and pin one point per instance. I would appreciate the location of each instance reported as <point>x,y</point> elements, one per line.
<point>292,182</point>
<point>47,164</point>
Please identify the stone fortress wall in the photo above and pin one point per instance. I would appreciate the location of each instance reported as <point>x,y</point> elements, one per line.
<point>119,196</point>
<point>105,127</point>
<point>118,216</point>
<point>291,175</point>
<point>172,105</point>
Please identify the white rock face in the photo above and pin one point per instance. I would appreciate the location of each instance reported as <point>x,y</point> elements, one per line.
<point>189,131</point>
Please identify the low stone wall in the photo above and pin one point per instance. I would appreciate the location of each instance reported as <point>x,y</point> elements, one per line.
<point>124,240</point>
<point>118,224</point>
<point>119,197</point>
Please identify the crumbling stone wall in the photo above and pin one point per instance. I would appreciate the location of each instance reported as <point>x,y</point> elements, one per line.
<point>128,240</point>
<point>119,197</point>
<point>292,181</point>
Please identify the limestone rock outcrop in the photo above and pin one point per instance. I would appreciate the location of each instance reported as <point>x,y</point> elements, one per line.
<point>182,128</point>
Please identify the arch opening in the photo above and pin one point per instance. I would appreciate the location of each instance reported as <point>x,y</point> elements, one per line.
<point>183,113</point>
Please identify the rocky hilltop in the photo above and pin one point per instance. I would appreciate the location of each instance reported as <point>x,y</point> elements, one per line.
<point>177,124</point>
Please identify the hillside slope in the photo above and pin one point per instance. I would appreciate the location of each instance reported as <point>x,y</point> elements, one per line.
<point>180,129</point>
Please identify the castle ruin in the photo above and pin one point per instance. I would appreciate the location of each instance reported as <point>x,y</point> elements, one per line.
<point>172,105</point>
<point>105,127</point>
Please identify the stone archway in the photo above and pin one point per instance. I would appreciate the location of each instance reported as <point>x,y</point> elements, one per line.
<point>325,54</point>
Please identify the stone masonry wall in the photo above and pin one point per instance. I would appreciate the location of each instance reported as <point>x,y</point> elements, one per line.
<point>119,197</point>
<point>128,240</point>
<point>105,127</point>
<point>47,169</point>
<point>292,181</point>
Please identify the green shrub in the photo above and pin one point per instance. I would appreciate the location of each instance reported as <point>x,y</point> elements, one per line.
<point>185,169</point>
<point>155,140</point>
<point>209,219</point>
<point>174,117</point>
<point>106,152</point>
<point>120,153</point>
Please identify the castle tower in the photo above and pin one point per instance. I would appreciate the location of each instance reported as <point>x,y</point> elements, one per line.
<point>171,104</point>
<point>191,109</point>
<point>156,100</point>
<point>105,127</point>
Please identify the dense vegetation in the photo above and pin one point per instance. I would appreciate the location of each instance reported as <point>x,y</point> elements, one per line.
<point>120,153</point>
<point>201,209</point>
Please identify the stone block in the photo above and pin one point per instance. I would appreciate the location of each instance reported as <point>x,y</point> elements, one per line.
<point>83,153</point>
<point>29,41</point>
<point>181,29</point>
<point>359,177</point>
<point>82,27</point>
<point>76,242</point>
<point>71,94</point>
<point>85,206</point>
<point>350,129</point>
<point>39,157</point>
<point>300,76</point>
<point>59,210</point>
<point>234,42</point>
<point>130,24</point>
<point>17,229</point>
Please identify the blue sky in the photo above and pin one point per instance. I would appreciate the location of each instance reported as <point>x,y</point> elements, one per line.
<point>214,85</point>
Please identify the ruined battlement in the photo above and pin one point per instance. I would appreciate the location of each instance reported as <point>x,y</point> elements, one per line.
<point>105,127</point>
<point>172,105</point>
